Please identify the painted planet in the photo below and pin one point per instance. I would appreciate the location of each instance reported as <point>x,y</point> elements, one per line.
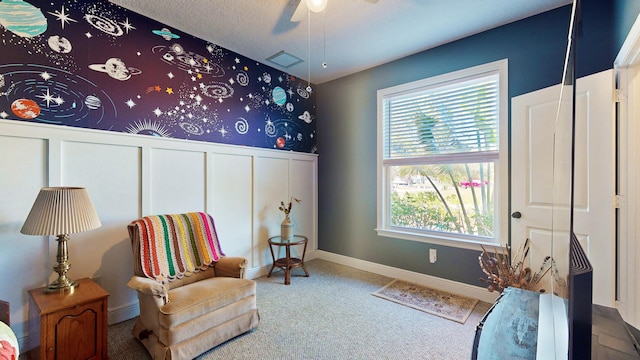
<point>92,102</point>
<point>166,34</point>
<point>306,116</point>
<point>22,18</point>
<point>116,68</point>
<point>279,95</point>
<point>280,142</point>
<point>59,44</point>
<point>25,109</point>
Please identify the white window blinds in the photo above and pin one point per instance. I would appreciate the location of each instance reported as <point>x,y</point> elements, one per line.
<point>454,118</point>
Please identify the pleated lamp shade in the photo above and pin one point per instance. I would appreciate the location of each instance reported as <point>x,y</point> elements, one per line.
<point>61,210</point>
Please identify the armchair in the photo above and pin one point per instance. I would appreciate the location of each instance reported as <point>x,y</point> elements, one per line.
<point>192,297</point>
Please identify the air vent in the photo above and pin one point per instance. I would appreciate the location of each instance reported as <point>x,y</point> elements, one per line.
<point>284,59</point>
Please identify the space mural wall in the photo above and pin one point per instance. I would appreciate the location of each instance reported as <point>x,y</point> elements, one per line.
<point>93,64</point>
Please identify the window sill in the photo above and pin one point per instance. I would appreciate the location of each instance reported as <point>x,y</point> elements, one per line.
<point>437,240</point>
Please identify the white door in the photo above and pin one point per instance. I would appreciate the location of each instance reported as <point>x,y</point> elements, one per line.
<point>532,125</point>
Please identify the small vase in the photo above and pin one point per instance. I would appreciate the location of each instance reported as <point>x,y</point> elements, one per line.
<point>286,229</point>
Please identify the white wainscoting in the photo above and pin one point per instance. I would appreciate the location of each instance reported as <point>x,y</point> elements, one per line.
<point>129,176</point>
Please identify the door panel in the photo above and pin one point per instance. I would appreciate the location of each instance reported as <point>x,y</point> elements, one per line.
<point>532,135</point>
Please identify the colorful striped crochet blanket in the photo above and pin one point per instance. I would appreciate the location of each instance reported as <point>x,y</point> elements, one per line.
<point>174,246</point>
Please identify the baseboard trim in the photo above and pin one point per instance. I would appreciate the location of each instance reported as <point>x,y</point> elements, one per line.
<point>123,313</point>
<point>451,286</point>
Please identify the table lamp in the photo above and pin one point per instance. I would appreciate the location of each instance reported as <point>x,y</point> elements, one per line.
<point>61,211</point>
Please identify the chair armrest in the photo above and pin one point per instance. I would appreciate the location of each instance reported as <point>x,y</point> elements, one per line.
<point>231,266</point>
<point>148,286</point>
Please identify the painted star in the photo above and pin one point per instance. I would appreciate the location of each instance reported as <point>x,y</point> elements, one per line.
<point>88,35</point>
<point>169,91</point>
<point>205,60</point>
<point>45,76</point>
<point>62,16</point>
<point>157,88</point>
<point>170,75</point>
<point>237,61</point>
<point>4,115</point>
<point>46,97</point>
<point>157,111</point>
<point>127,25</point>
<point>58,100</point>
<point>130,103</point>
<point>199,76</point>
<point>222,131</point>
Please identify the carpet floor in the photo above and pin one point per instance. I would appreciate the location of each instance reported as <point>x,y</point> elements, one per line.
<point>330,315</point>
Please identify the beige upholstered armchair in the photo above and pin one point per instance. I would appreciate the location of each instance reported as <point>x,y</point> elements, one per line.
<point>191,296</point>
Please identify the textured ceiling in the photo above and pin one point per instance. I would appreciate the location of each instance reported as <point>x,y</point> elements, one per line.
<point>350,35</point>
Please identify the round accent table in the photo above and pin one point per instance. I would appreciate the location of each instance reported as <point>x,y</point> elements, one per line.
<point>288,263</point>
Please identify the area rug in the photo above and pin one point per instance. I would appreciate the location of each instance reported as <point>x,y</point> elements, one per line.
<point>432,301</point>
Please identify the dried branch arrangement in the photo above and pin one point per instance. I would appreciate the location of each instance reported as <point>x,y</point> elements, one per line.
<point>501,272</point>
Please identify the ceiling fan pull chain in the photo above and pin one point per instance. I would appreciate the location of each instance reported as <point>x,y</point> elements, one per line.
<point>309,89</point>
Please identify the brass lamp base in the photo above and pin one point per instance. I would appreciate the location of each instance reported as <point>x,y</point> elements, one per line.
<point>62,283</point>
<point>61,286</point>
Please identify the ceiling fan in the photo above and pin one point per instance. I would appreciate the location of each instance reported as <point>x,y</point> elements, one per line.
<point>315,6</point>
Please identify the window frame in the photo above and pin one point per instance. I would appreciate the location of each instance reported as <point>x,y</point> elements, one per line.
<point>501,186</point>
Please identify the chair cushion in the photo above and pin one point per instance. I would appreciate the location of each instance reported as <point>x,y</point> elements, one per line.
<point>197,299</point>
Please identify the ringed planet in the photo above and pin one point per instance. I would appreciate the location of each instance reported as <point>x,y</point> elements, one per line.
<point>116,68</point>
<point>166,34</point>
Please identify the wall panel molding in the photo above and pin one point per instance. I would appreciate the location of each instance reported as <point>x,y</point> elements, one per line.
<point>128,177</point>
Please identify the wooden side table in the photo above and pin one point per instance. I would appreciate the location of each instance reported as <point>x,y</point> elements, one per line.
<point>287,263</point>
<point>69,325</point>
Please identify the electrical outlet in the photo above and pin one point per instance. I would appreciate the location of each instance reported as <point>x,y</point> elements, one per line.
<point>433,255</point>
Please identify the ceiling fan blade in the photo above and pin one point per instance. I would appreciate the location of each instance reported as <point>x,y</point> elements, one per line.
<point>300,12</point>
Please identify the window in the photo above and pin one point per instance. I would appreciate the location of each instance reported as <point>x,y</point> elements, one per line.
<point>442,157</point>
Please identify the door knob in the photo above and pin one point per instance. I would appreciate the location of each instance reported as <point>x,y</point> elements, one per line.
<point>516,215</point>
